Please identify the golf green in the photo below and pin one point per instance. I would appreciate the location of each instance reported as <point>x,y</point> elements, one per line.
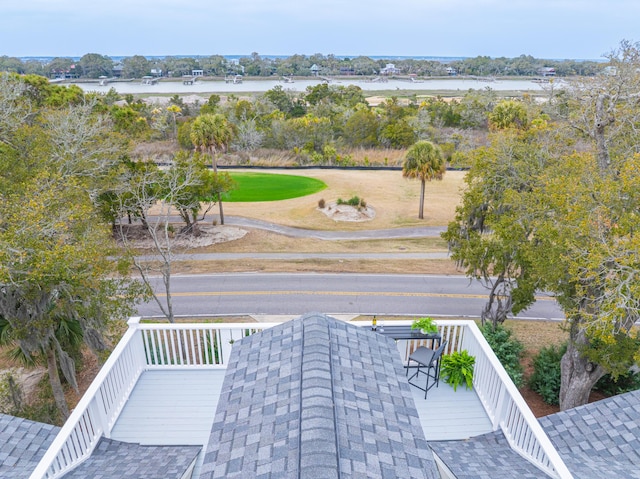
<point>271,187</point>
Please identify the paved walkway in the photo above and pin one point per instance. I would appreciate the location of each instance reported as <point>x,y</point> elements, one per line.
<point>414,232</point>
<point>395,233</point>
<point>298,256</point>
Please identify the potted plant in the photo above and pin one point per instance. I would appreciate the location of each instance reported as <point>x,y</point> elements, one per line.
<point>457,369</point>
<point>425,325</point>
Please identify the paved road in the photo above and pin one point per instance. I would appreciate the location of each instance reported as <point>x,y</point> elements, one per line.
<point>294,294</point>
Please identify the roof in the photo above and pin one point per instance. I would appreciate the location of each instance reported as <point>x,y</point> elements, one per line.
<point>316,398</point>
<point>600,439</point>
<point>116,459</point>
<point>488,456</point>
<point>597,440</point>
<point>22,445</point>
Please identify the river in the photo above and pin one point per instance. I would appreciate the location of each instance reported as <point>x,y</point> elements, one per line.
<point>220,86</point>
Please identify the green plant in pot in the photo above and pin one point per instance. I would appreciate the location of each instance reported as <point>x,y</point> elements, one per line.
<point>457,369</point>
<point>425,325</point>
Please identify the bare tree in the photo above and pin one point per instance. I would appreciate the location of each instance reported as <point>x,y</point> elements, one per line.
<point>155,196</point>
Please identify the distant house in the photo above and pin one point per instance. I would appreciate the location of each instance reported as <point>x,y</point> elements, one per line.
<point>116,71</point>
<point>69,74</point>
<point>389,69</point>
<point>156,72</point>
<point>197,73</point>
<point>315,69</point>
<point>546,72</point>
<point>451,71</point>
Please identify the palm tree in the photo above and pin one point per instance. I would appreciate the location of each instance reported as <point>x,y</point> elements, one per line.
<point>424,161</point>
<point>65,336</point>
<point>211,133</point>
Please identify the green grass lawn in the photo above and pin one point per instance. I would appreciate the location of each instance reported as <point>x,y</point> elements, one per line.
<point>271,187</point>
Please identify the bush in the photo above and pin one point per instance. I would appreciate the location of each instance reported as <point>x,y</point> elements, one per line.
<point>508,350</point>
<point>355,201</point>
<point>625,383</point>
<point>545,379</point>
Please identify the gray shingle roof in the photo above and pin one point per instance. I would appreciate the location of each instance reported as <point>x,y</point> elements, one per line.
<point>597,440</point>
<point>484,457</point>
<point>22,445</point>
<point>316,398</point>
<point>601,439</point>
<point>115,459</point>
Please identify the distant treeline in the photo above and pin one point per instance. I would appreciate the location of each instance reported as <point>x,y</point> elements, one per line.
<point>94,65</point>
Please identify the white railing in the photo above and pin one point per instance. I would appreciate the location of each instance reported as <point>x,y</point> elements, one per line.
<point>201,345</point>
<point>143,347</point>
<point>96,412</point>
<point>148,346</point>
<point>505,406</point>
<point>500,398</point>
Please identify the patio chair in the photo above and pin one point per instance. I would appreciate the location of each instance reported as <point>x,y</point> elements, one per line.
<point>428,363</point>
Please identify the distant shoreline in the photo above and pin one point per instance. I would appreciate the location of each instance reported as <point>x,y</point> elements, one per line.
<point>257,85</point>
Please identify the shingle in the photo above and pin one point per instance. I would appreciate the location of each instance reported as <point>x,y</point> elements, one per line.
<point>601,439</point>
<point>488,456</point>
<point>349,411</point>
<point>115,459</point>
<point>22,445</point>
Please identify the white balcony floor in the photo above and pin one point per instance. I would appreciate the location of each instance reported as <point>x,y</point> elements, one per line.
<point>449,415</point>
<point>173,407</point>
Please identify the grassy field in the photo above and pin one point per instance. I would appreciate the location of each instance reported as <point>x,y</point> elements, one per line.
<point>394,199</point>
<point>252,187</point>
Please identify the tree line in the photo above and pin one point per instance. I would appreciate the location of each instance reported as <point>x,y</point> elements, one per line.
<point>95,65</point>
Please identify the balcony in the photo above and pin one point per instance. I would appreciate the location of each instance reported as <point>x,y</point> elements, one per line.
<point>161,385</point>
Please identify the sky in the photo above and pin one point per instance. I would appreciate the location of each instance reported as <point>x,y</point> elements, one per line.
<point>550,29</point>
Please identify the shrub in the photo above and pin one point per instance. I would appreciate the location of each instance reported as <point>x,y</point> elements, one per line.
<point>457,369</point>
<point>625,383</point>
<point>11,394</point>
<point>545,379</point>
<point>508,350</point>
<point>321,203</point>
<point>353,201</point>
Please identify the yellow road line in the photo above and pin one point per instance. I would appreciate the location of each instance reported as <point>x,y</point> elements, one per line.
<point>337,293</point>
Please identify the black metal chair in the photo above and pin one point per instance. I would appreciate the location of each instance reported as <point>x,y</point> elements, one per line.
<point>428,363</point>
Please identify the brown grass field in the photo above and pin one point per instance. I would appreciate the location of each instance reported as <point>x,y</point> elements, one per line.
<point>395,200</point>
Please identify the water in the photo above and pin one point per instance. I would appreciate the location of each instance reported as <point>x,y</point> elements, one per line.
<point>220,86</point>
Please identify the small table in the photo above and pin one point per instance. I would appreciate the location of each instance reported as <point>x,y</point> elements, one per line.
<point>405,332</point>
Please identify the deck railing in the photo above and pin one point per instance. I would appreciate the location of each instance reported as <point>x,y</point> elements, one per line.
<point>503,402</point>
<point>144,346</point>
<point>148,346</point>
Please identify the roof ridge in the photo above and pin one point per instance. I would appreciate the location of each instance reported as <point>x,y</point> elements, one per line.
<point>318,449</point>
